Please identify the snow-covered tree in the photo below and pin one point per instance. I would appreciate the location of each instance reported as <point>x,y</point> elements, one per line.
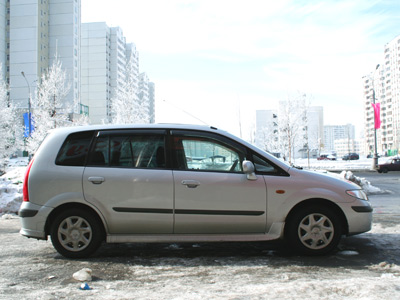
<point>126,105</point>
<point>10,130</point>
<point>292,122</point>
<point>268,136</point>
<point>49,109</point>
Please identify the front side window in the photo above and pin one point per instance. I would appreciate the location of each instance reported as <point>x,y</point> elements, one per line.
<point>130,150</point>
<point>197,153</point>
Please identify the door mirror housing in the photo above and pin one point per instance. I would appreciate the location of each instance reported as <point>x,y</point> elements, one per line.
<point>248,169</point>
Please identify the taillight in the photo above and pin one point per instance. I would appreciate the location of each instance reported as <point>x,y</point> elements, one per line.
<point>25,188</point>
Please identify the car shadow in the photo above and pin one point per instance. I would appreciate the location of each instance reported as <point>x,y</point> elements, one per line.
<point>353,252</point>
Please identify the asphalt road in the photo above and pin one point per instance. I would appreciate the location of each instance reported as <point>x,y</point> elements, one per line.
<point>31,269</point>
<point>387,203</point>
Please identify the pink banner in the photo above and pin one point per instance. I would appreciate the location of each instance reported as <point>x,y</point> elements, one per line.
<point>377,112</point>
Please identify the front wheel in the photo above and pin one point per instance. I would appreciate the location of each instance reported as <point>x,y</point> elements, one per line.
<point>76,233</point>
<point>314,230</point>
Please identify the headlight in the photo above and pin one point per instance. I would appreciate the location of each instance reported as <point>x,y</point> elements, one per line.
<point>359,194</point>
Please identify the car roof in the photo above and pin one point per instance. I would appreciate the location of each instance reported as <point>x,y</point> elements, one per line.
<point>67,130</point>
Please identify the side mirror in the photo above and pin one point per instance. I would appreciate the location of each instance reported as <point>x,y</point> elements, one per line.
<point>248,169</point>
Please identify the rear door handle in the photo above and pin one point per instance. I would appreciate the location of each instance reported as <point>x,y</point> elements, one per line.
<point>96,180</point>
<point>191,183</point>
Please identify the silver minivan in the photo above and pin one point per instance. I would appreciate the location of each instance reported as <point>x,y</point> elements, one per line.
<point>179,183</point>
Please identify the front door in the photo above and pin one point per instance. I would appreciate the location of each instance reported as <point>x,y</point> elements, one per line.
<point>212,194</point>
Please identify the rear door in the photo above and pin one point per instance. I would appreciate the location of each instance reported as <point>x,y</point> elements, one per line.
<point>212,194</point>
<point>127,180</point>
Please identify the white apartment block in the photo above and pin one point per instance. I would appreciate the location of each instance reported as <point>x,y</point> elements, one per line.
<point>144,93</point>
<point>106,60</point>
<point>346,146</point>
<point>103,58</point>
<point>267,130</point>
<point>4,43</point>
<point>36,31</point>
<point>315,127</point>
<point>333,133</point>
<point>132,57</point>
<point>152,102</point>
<point>385,82</point>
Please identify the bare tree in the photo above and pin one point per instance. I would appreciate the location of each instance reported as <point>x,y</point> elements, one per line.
<point>10,130</point>
<point>49,108</point>
<point>292,122</point>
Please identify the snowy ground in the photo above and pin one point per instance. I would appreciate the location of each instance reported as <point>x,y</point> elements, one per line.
<point>364,267</point>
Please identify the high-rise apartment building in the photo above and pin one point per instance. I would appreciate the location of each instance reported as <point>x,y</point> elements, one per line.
<point>4,42</point>
<point>383,86</point>
<point>107,60</point>
<point>152,102</point>
<point>99,75</point>
<point>96,57</point>
<point>334,133</point>
<point>37,31</point>
<point>146,96</point>
<point>315,127</point>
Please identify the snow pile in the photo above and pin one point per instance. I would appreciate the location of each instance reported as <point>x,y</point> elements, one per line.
<point>11,186</point>
<point>362,182</point>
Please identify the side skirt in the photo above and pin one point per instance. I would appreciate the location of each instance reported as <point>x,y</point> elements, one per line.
<point>275,232</point>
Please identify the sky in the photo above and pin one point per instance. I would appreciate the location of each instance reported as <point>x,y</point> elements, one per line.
<point>216,62</point>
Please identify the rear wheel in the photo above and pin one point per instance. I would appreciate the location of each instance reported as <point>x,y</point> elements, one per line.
<point>76,233</point>
<point>314,230</point>
<point>385,170</point>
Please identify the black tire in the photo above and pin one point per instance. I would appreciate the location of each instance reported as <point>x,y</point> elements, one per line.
<point>76,233</point>
<point>385,170</point>
<point>314,230</point>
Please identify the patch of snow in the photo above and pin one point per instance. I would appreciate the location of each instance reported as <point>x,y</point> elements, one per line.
<point>348,252</point>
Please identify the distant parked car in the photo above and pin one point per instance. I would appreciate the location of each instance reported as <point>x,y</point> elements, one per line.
<point>326,157</point>
<point>351,156</point>
<point>392,164</point>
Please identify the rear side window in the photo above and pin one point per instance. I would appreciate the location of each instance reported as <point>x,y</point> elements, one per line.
<point>129,151</point>
<point>75,149</point>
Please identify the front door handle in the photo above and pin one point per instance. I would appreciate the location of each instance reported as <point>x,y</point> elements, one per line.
<point>96,180</point>
<point>191,183</point>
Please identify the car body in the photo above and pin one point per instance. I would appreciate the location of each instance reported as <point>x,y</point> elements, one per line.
<point>326,157</point>
<point>351,156</point>
<point>179,183</point>
<point>392,164</point>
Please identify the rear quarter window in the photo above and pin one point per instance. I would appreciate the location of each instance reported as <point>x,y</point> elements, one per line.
<point>75,148</point>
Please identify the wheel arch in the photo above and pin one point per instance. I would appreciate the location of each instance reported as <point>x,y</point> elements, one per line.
<point>319,202</point>
<point>66,206</point>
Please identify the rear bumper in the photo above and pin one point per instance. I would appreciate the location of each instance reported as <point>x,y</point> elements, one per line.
<point>33,220</point>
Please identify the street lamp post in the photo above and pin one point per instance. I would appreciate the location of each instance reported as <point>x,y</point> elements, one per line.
<point>29,104</point>
<point>375,159</point>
